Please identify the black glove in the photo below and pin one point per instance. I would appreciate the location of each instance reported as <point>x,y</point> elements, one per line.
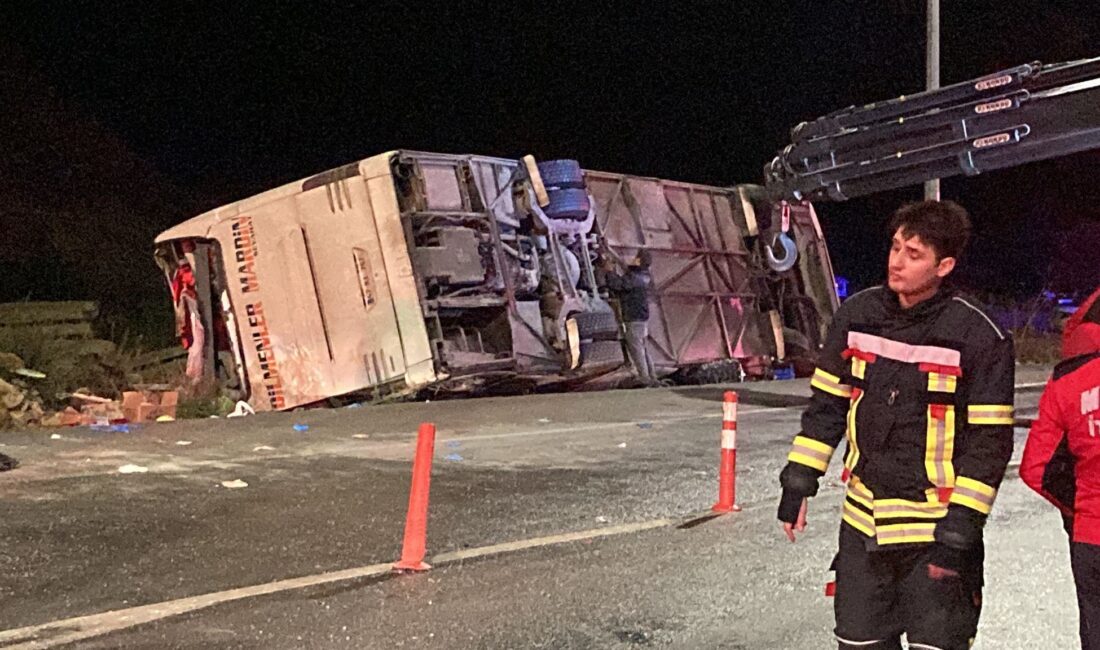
<point>948,557</point>
<point>799,482</point>
<point>958,538</point>
<point>790,504</point>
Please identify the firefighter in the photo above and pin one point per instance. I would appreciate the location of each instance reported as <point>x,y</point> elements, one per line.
<point>920,381</point>
<point>1062,456</point>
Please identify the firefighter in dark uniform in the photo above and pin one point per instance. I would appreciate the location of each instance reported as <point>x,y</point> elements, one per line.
<point>920,382</point>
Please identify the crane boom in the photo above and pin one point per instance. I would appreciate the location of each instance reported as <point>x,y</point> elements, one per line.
<point>1024,114</point>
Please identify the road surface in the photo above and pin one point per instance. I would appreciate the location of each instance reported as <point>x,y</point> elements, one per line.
<point>556,521</point>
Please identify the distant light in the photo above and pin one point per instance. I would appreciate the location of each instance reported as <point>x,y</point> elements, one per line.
<point>841,287</point>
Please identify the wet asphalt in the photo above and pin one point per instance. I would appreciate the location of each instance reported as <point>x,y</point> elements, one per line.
<point>80,538</point>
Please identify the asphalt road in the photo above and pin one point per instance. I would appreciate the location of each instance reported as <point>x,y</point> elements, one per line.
<point>618,471</point>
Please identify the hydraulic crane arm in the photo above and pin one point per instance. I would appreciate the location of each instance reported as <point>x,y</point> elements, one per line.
<point>1016,116</point>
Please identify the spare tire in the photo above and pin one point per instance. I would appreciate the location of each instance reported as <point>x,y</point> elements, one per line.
<point>723,371</point>
<point>561,174</point>
<point>599,353</point>
<point>568,203</point>
<point>597,325</point>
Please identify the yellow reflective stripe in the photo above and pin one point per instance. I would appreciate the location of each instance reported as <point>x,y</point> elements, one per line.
<point>808,461</point>
<point>830,384</point>
<point>961,499</point>
<point>916,532</point>
<point>852,458</point>
<point>859,368</point>
<point>939,448</point>
<point>813,445</point>
<point>989,414</point>
<point>811,453</point>
<point>976,486</point>
<point>866,503</point>
<point>859,520</point>
<point>974,495</point>
<point>857,486</point>
<point>895,508</point>
<point>861,495</point>
<point>940,383</point>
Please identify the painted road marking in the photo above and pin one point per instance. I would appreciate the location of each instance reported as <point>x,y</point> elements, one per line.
<point>56,633</point>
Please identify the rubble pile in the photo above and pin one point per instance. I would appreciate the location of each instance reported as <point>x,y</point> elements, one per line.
<point>76,371</point>
<point>20,403</point>
<point>21,406</point>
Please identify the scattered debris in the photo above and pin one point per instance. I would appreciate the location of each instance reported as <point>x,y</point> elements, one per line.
<point>149,404</point>
<point>454,444</point>
<point>601,519</point>
<point>645,425</point>
<point>60,338</point>
<point>243,408</point>
<point>263,448</point>
<point>361,436</point>
<point>98,411</point>
<point>544,420</point>
<point>20,404</point>
<point>94,399</point>
<point>10,396</point>
<point>70,417</point>
<point>455,458</point>
<point>622,445</point>
<point>183,443</point>
<point>110,428</point>
<point>166,418</point>
<point>235,484</point>
<point>56,436</point>
<point>301,427</point>
<point>132,469</point>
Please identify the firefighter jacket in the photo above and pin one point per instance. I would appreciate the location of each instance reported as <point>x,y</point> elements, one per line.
<point>924,396</point>
<point>1062,457</point>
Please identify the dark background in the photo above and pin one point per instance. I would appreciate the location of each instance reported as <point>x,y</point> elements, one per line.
<point>119,120</point>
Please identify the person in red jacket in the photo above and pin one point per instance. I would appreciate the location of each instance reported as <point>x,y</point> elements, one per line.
<point>1062,457</point>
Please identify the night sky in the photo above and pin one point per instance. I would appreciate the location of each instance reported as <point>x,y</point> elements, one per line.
<point>124,119</point>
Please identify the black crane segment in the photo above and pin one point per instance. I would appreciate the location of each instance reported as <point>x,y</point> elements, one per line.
<point>1028,113</point>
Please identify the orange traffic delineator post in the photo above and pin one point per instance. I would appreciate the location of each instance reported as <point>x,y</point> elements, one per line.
<point>416,521</point>
<point>727,473</point>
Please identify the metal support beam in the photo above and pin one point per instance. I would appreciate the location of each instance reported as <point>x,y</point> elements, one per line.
<point>932,77</point>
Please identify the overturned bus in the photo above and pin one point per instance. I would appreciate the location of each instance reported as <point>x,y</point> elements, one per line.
<point>409,272</point>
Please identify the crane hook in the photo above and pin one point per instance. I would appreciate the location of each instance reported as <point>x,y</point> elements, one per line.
<point>790,253</point>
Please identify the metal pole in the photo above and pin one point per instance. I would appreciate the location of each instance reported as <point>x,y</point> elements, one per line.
<point>932,77</point>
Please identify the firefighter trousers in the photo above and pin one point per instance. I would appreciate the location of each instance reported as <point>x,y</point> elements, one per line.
<point>884,593</point>
<point>1086,573</point>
